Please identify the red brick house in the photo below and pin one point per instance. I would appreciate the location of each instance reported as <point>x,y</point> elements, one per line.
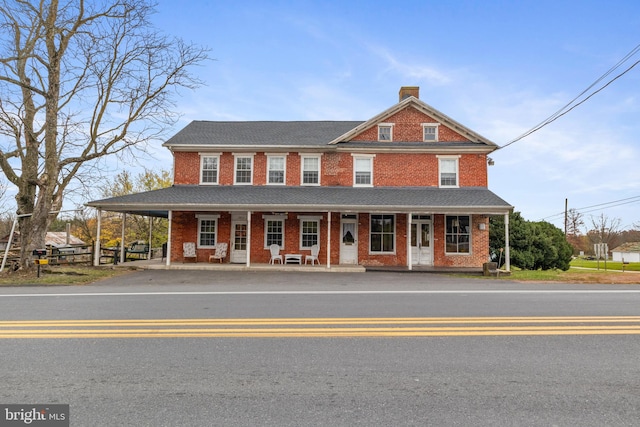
<point>406,187</point>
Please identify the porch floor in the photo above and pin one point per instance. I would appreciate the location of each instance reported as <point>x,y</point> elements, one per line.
<point>160,264</point>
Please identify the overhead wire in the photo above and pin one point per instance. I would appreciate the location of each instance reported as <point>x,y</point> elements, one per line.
<point>572,104</point>
<point>598,207</point>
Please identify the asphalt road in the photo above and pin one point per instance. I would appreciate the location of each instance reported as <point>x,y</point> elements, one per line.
<point>246,349</point>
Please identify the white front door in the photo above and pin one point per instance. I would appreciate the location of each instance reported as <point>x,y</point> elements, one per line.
<point>238,242</point>
<point>349,241</point>
<point>421,253</point>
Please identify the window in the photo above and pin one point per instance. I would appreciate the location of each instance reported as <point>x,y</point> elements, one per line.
<point>385,132</point>
<point>458,234</point>
<point>275,169</point>
<point>209,169</point>
<point>430,132</point>
<point>363,171</point>
<point>243,169</point>
<point>383,233</point>
<point>274,231</point>
<point>311,170</point>
<point>207,230</point>
<point>309,232</point>
<point>448,172</point>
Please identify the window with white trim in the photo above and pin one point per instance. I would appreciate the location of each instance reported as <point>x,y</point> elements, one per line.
<point>430,132</point>
<point>363,171</point>
<point>243,170</point>
<point>207,230</point>
<point>309,232</point>
<point>458,234</point>
<point>382,233</point>
<point>274,231</point>
<point>310,170</point>
<point>385,132</point>
<point>209,169</point>
<point>276,169</point>
<point>448,171</point>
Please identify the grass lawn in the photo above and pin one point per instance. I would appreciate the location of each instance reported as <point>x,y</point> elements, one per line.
<point>59,275</point>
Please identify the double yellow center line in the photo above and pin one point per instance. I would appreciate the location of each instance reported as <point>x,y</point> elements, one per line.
<point>322,327</point>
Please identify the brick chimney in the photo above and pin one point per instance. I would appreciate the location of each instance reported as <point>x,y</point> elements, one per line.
<point>407,91</point>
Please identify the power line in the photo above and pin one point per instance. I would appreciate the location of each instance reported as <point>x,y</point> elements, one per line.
<point>570,105</point>
<point>600,206</point>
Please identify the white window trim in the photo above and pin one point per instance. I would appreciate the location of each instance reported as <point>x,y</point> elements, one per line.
<point>284,178</point>
<point>310,156</point>
<point>457,159</point>
<point>276,217</point>
<point>386,125</point>
<point>369,157</point>
<point>308,218</point>
<point>215,218</point>
<point>431,125</point>
<point>235,167</point>
<point>395,235</point>
<point>217,157</point>
<point>470,236</point>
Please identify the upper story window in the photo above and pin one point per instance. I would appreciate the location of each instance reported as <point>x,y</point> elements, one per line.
<point>243,169</point>
<point>430,132</point>
<point>363,171</point>
<point>276,169</point>
<point>209,169</point>
<point>448,171</point>
<point>385,132</point>
<point>310,170</point>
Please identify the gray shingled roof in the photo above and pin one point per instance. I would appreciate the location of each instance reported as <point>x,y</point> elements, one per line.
<point>316,133</point>
<point>477,200</point>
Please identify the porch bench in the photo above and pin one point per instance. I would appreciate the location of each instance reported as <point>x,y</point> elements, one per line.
<point>137,251</point>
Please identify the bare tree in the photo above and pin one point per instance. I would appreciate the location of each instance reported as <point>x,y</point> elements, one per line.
<point>79,80</point>
<point>605,230</point>
<point>574,222</point>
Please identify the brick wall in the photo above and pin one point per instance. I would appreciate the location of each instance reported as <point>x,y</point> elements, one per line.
<point>390,169</point>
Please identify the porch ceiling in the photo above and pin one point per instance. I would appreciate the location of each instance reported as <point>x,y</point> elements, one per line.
<point>468,200</point>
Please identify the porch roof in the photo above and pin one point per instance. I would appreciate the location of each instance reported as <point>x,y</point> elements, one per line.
<point>201,198</point>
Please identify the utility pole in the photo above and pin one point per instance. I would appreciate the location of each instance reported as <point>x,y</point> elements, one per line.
<point>566,204</point>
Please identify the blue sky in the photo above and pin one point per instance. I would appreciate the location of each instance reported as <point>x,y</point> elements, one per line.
<point>498,67</point>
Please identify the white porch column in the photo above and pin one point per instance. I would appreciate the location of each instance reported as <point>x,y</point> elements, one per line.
<point>248,238</point>
<point>328,239</point>
<point>96,253</point>
<point>409,260</point>
<point>150,234</point>
<point>169,217</point>
<point>507,253</point>
<point>122,251</point>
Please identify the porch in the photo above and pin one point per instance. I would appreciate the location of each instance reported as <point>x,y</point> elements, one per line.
<point>161,264</point>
